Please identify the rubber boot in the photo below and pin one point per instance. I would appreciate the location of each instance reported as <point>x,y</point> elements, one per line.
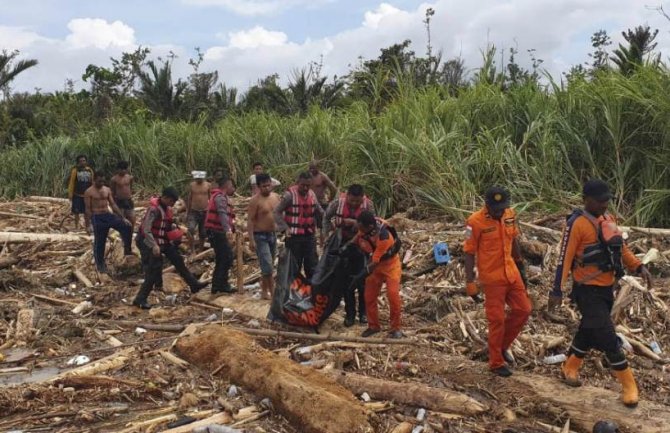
<point>629,392</point>
<point>570,370</point>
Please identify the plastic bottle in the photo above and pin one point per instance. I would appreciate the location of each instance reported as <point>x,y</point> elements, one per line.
<point>421,414</point>
<point>555,359</point>
<point>655,347</point>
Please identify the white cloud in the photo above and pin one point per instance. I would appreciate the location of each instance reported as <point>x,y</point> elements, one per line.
<point>255,7</point>
<point>98,33</point>
<point>558,30</point>
<point>256,37</point>
<point>373,18</point>
<point>17,38</point>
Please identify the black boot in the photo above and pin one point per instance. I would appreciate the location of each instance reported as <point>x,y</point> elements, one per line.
<point>141,298</point>
<point>349,321</point>
<point>197,286</point>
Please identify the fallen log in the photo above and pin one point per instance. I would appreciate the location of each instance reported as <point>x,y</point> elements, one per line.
<point>587,405</point>
<point>403,427</point>
<point>43,199</point>
<point>325,337</point>
<point>6,262</point>
<point>312,402</point>
<point>111,362</point>
<point>21,216</point>
<point>94,381</point>
<point>79,275</point>
<point>200,256</point>
<point>219,418</point>
<point>414,394</point>
<point>17,237</point>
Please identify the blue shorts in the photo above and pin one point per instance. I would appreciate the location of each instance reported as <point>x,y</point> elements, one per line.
<point>78,205</point>
<point>266,247</point>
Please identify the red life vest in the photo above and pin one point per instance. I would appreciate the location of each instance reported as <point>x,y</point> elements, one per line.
<point>212,221</point>
<point>162,225</point>
<point>299,215</point>
<point>345,212</point>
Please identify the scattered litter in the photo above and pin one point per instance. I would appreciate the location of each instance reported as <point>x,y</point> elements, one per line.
<point>233,391</point>
<point>212,318</point>
<point>421,414</point>
<point>82,307</point>
<point>365,397</point>
<point>253,323</point>
<point>554,359</point>
<point>79,360</point>
<point>140,331</point>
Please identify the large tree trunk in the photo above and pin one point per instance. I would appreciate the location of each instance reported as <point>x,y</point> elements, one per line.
<point>311,401</point>
<point>15,237</point>
<point>588,404</point>
<point>413,394</point>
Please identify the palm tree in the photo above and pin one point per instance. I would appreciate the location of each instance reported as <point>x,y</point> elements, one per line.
<point>10,69</point>
<point>157,91</point>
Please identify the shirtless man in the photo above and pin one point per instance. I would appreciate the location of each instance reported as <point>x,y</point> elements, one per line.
<point>321,181</point>
<point>98,199</point>
<point>196,209</point>
<point>121,185</point>
<point>262,227</point>
<point>258,169</point>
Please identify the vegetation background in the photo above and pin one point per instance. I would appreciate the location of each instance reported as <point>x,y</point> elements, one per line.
<point>418,131</point>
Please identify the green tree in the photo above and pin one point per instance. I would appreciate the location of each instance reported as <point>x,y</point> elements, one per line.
<point>10,68</point>
<point>640,46</point>
<point>157,90</point>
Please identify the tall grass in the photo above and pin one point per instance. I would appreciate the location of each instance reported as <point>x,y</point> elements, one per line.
<point>426,149</point>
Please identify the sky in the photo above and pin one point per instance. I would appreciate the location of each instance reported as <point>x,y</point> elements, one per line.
<point>246,40</point>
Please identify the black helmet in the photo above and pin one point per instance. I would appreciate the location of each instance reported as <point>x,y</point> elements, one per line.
<point>606,427</point>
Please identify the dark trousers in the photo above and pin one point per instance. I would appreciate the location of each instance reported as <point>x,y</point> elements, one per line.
<point>355,261</point>
<point>153,267</point>
<point>223,260</point>
<point>101,225</point>
<point>596,330</point>
<point>303,250</point>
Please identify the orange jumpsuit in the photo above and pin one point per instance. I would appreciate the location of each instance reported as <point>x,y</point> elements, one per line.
<point>490,241</point>
<point>386,271</point>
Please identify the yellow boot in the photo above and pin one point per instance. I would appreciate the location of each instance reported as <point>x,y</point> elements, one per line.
<point>629,393</point>
<point>570,370</point>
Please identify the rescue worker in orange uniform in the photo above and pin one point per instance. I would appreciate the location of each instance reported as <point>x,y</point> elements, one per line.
<point>594,251</point>
<point>342,214</point>
<point>492,239</point>
<point>376,238</point>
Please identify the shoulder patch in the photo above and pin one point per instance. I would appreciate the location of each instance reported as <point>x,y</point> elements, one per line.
<point>468,232</point>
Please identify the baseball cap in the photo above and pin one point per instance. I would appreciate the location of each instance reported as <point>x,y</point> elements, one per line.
<point>497,198</point>
<point>597,189</point>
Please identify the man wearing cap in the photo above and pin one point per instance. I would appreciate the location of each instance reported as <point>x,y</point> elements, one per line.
<point>593,250</point>
<point>492,238</point>
<point>158,236</point>
<point>196,208</point>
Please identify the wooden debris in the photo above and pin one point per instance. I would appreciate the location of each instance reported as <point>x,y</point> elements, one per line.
<point>333,409</point>
<point>219,418</point>
<point>173,359</point>
<point>6,262</point>
<point>15,237</point>
<point>24,326</point>
<point>414,394</point>
<point>111,362</point>
<point>79,275</point>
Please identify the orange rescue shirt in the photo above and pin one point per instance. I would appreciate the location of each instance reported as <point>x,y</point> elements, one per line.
<point>578,234</point>
<point>378,244</point>
<point>490,241</point>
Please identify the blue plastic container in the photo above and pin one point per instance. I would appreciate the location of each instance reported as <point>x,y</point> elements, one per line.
<point>441,253</point>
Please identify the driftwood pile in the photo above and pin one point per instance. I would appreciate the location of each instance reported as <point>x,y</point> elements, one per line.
<point>75,354</point>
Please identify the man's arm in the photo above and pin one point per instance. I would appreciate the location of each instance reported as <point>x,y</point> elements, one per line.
<point>88,208</point>
<point>470,250</point>
<point>112,185</point>
<point>147,224</point>
<point>279,212</point>
<point>327,225</point>
<point>114,207</point>
<point>371,208</point>
<point>568,249</point>
<point>318,210</point>
<point>189,196</point>
<point>330,185</point>
<point>383,245</point>
<point>222,211</point>
<point>275,182</point>
<point>251,217</point>
<point>72,180</point>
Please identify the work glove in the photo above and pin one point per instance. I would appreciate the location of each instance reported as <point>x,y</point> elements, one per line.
<point>471,288</point>
<point>521,266</point>
<point>554,303</point>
